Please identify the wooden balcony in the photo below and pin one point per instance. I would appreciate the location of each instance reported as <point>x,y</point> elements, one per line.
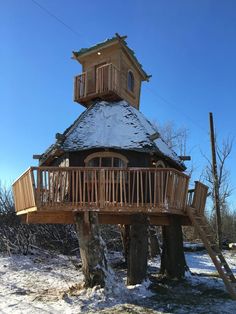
<point>104,190</point>
<point>104,83</point>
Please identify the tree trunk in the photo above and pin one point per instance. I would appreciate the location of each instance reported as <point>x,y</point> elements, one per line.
<point>125,233</point>
<point>92,250</point>
<point>173,264</point>
<point>154,247</point>
<point>138,250</point>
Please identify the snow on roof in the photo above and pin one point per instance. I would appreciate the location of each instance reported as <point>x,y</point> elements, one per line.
<point>115,125</point>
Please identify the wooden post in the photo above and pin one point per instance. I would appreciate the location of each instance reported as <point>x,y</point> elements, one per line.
<point>138,250</point>
<point>39,182</point>
<point>173,264</point>
<point>215,182</point>
<point>154,247</point>
<point>92,250</point>
<point>125,234</point>
<point>102,188</point>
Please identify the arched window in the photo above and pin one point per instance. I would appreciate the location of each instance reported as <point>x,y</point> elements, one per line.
<point>159,164</point>
<point>106,159</point>
<point>130,80</point>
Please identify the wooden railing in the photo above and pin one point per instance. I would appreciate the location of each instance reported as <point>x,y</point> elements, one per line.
<point>197,197</point>
<point>24,191</point>
<point>80,86</point>
<point>105,189</point>
<point>107,78</point>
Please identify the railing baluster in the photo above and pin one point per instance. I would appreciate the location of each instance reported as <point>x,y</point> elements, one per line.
<point>121,188</point>
<point>141,187</point>
<point>124,186</point>
<point>113,187</point>
<point>137,172</point>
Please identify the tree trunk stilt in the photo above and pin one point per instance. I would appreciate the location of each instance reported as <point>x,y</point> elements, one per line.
<point>173,264</point>
<point>138,250</point>
<point>92,250</point>
<point>125,232</point>
<point>154,247</point>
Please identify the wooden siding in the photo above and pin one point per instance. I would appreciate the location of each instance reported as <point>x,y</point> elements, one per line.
<point>131,97</point>
<point>24,191</point>
<point>109,81</point>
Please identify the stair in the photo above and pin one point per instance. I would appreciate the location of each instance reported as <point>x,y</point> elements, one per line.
<point>207,236</point>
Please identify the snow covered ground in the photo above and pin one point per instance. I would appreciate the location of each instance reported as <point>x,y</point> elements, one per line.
<point>47,283</point>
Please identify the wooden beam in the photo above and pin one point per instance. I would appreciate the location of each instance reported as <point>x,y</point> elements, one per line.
<point>185,158</point>
<point>49,218</point>
<point>66,217</point>
<point>25,211</point>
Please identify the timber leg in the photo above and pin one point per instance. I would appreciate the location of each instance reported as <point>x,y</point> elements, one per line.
<point>92,250</point>
<point>124,231</point>
<point>138,250</point>
<point>173,264</point>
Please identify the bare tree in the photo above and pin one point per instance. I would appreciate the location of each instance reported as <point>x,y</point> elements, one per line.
<point>175,138</point>
<point>225,189</point>
<point>223,152</point>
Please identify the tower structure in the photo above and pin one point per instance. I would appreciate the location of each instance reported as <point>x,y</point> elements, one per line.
<point>110,71</point>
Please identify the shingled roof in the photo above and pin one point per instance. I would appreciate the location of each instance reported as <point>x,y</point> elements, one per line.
<point>112,125</point>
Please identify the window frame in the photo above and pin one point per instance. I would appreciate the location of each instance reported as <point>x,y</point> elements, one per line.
<point>101,155</point>
<point>130,81</point>
<point>160,164</point>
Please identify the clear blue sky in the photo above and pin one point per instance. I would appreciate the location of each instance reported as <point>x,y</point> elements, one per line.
<point>188,46</point>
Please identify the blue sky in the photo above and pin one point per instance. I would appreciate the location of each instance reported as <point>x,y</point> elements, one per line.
<point>188,46</point>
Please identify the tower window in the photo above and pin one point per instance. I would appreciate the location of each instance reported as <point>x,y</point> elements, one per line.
<point>130,81</point>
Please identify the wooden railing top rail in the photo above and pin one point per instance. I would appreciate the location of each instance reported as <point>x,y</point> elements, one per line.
<point>111,168</point>
<point>23,174</point>
<point>108,65</point>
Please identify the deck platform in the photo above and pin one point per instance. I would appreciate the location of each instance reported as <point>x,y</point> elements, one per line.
<point>56,194</point>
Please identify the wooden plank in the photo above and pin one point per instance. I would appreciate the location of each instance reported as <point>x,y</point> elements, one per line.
<point>50,218</point>
<point>25,211</point>
<point>102,188</point>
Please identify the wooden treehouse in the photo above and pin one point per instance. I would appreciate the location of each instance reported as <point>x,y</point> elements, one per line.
<point>111,161</point>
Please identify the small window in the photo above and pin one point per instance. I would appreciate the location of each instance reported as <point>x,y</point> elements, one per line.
<point>130,80</point>
<point>106,159</point>
<point>159,164</point>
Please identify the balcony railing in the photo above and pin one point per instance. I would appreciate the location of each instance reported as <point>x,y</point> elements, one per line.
<point>102,189</point>
<point>104,81</point>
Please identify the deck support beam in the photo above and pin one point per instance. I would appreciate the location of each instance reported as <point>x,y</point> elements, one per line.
<point>92,250</point>
<point>138,249</point>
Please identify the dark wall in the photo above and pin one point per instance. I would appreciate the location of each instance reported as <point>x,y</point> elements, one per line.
<point>136,159</point>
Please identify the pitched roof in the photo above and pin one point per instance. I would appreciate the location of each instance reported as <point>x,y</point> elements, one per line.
<point>112,125</point>
<point>109,41</point>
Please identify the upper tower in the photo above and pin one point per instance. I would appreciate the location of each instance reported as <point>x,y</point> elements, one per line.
<point>110,72</point>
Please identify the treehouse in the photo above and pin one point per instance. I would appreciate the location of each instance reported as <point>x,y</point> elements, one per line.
<point>110,160</point>
<point>113,163</point>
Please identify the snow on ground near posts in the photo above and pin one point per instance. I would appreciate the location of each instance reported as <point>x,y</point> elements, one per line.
<point>49,283</point>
